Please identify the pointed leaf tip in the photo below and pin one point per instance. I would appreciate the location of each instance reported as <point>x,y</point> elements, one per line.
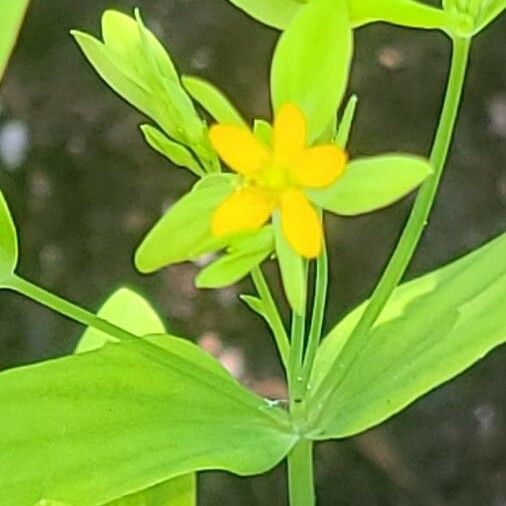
<point>8,241</point>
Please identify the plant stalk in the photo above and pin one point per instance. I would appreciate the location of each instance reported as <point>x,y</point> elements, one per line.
<point>67,308</point>
<point>273,317</point>
<point>414,227</point>
<point>315,329</point>
<point>297,343</point>
<point>295,359</point>
<point>300,474</point>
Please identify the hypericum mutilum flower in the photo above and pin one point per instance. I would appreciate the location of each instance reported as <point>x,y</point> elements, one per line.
<point>273,180</point>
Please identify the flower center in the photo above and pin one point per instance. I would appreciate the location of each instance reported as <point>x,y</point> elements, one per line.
<point>274,177</point>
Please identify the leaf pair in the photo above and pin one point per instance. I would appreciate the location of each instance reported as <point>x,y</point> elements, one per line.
<point>431,330</point>
<point>136,66</point>
<point>280,13</point>
<point>184,232</point>
<point>122,418</point>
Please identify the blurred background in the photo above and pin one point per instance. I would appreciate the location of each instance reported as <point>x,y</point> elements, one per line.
<point>84,188</point>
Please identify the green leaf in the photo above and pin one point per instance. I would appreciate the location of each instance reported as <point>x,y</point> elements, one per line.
<point>124,65</point>
<point>184,232</point>
<point>45,502</point>
<point>176,492</point>
<point>372,183</point>
<point>128,310</point>
<point>488,13</point>
<point>263,132</point>
<point>132,312</point>
<point>8,242</point>
<point>10,25</point>
<point>410,13</point>
<point>158,58</point>
<point>175,111</point>
<point>311,62</point>
<point>91,428</point>
<point>216,181</point>
<point>230,269</point>
<point>174,151</point>
<point>280,13</point>
<point>478,13</point>
<point>432,329</point>
<point>212,100</point>
<point>292,268</point>
<point>242,257</point>
<point>255,304</point>
<point>136,47</point>
<point>346,123</point>
<point>115,73</point>
<point>136,66</point>
<point>275,13</point>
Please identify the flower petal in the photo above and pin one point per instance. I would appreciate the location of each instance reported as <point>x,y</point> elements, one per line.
<point>239,148</point>
<point>319,166</point>
<point>289,134</point>
<point>246,209</point>
<point>300,224</point>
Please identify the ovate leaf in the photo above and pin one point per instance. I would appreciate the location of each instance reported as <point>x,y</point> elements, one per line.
<point>431,330</point>
<point>117,74</point>
<point>372,183</point>
<point>215,181</point>
<point>91,428</point>
<point>128,310</point>
<point>8,242</point>
<point>243,255</point>
<point>175,152</point>
<point>179,491</point>
<point>212,100</point>
<point>184,232</point>
<point>230,269</point>
<point>12,14</point>
<point>151,49</point>
<point>311,62</point>
<point>275,13</point>
<point>411,13</point>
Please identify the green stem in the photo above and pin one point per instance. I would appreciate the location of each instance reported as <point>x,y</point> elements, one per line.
<point>300,474</point>
<point>414,227</point>
<point>315,330</point>
<point>66,308</point>
<point>295,358</point>
<point>297,337</point>
<point>273,317</point>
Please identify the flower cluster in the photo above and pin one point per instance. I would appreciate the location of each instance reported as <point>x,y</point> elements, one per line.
<point>282,176</point>
<point>273,179</point>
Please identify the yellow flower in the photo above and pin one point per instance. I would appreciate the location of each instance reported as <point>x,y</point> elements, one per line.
<point>273,179</point>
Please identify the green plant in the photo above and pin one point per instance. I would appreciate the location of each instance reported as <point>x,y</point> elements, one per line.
<point>135,413</point>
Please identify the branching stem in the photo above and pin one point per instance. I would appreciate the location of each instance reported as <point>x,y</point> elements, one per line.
<point>413,229</point>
